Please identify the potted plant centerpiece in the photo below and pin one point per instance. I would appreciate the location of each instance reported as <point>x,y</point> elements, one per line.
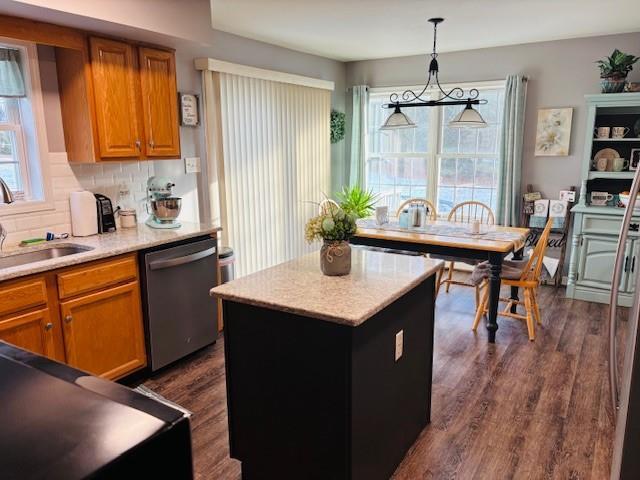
<point>335,224</point>
<point>614,70</point>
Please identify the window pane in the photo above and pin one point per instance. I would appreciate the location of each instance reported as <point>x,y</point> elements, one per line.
<point>373,171</point>
<point>10,173</point>
<point>447,171</point>
<point>465,171</point>
<point>483,195</point>
<point>7,145</point>
<point>488,139</point>
<point>418,171</point>
<point>464,194</point>
<point>446,198</point>
<point>485,172</point>
<point>450,139</point>
<point>468,140</point>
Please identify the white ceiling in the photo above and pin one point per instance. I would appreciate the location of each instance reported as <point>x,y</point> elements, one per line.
<point>361,29</point>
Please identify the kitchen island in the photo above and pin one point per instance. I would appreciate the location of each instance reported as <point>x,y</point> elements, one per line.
<point>329,377</point>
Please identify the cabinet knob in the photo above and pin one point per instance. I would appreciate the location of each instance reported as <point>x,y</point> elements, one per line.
<point>68,318</point>
<point>152,144</point>
<point>48,326</point>
<point>138,144</point>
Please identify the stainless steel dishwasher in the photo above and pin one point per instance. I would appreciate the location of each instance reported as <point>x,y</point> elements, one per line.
<point>180,315</point>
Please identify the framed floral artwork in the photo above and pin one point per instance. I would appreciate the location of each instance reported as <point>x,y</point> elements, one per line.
<point>553,132</point>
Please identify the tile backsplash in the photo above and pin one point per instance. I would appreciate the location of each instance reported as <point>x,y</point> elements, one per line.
<point>102,178</point>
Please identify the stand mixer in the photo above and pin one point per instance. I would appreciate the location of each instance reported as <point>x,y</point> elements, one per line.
<point>163,209</point>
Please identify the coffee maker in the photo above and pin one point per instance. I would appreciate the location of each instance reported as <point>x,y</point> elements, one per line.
<point>162,207</point>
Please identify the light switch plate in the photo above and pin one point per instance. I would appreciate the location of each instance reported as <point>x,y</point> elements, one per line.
<point>192,164</point>
<point>399,344</point>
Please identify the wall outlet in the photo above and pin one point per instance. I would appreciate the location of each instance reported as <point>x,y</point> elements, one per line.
<point>399,344</point>
<point>192,164</point>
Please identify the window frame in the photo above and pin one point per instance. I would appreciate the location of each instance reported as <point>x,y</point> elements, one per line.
<point>33,139</point>
<point>434,140</point>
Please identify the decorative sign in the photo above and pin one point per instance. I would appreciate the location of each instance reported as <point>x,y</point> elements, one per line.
<point>568,195</point>
<point>532,196</point>
<point>189,110</point>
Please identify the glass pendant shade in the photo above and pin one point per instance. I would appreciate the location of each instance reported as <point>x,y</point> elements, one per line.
<point>397,120</point>
<point>468,117</point>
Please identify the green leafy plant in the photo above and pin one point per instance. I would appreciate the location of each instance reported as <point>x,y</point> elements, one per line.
<point>618,64</point>
<point>337,126</point>
<point>357,201</point>
<point>333,225</point>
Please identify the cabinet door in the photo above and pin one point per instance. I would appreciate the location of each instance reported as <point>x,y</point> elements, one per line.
<point>159,102</point>
<point>597,255</point>
<point>113,67</point>
<point>103,331</point>
<point>32,331</point>
<point>633,265</point>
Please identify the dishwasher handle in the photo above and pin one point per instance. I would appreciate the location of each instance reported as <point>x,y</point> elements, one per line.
<point>174,262</point>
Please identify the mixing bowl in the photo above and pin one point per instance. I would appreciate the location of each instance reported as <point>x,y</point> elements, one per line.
<point>166,209</point>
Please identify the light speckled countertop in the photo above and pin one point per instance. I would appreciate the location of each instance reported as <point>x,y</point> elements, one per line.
<point>376,280</point>
<point>105,245</point>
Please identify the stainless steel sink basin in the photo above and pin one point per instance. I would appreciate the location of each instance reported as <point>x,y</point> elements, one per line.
<point>47,253</point>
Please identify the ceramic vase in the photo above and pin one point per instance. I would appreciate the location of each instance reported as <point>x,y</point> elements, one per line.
<point>612,84</point>
<point>335,258</point>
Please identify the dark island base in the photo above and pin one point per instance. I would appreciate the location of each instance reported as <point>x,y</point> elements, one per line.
<point>317,400</point>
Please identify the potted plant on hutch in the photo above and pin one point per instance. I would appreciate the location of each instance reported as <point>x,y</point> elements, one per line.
<point>614,70</point>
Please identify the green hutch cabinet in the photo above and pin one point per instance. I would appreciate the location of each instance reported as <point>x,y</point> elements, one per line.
<point>596,227</point>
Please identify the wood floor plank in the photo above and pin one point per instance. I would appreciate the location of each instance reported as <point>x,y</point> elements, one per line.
<point>516,409</point>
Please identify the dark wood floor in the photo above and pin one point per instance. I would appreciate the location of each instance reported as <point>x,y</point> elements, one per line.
<point>511,410</point>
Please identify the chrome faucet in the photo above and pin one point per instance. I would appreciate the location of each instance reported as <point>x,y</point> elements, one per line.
<point>7,196</point>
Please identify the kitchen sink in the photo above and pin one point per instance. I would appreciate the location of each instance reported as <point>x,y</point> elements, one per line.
<point>47,253</point>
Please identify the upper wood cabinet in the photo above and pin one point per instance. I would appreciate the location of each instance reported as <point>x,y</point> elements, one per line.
<point>159,102</point>
<point>116,98</point>
<point>119,101</point>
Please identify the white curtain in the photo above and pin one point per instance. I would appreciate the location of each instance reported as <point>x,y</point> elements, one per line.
<point>275,164</point>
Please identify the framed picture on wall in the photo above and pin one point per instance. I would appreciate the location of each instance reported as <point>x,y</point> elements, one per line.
<point>634,159</point>
<point>553,132</point>
<point>189,109</point>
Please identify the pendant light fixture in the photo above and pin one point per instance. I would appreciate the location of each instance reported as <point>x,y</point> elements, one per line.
<point>468,117</point>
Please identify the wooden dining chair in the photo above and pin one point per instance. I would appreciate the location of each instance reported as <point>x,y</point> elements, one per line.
<point>467,212</point>
<point>327,204</point>
<point>432,214</point>
<point>525,276</point>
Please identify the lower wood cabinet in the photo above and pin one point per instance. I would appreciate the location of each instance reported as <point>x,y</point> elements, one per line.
<point>32,331</point>
<point>89,316</point>
<point>103,331</point>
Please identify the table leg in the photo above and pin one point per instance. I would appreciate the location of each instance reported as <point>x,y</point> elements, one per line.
<point>495,267</point>
<point>514,290</point>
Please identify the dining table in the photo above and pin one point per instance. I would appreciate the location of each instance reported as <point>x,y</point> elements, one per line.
<point>452,240</point>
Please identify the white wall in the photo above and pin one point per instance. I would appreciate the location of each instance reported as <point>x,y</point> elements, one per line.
<point>560,74</point>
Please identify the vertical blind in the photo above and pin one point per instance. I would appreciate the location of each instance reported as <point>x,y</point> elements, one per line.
<point>276,166</point>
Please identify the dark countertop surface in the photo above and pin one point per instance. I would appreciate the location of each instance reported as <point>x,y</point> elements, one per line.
<point>58,422</point>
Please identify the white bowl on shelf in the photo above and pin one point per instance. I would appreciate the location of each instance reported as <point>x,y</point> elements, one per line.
<point>624,199</point>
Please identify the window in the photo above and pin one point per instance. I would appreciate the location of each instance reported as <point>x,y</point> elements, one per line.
<point>12,147</point>
<point>22,136</point>
<point>443,164</point>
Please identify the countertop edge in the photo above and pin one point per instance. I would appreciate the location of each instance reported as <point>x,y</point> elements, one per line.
<point>12,273</point>
<point>349,321</point>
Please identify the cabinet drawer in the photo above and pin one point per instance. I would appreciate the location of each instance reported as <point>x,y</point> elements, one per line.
<point>96,276</point>
<point>606,225</point>
<point>16,296</point>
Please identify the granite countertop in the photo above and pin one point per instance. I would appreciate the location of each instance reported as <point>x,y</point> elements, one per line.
<point>104,245</point>
<point>376,280</point>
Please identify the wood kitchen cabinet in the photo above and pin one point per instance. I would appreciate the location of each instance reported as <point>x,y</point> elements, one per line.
<point>159,102</point>
<point>113,66</point>
<point>135,100</point>
<point>32,331</point>
<point>103,331</point>
<point>89,316</point>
